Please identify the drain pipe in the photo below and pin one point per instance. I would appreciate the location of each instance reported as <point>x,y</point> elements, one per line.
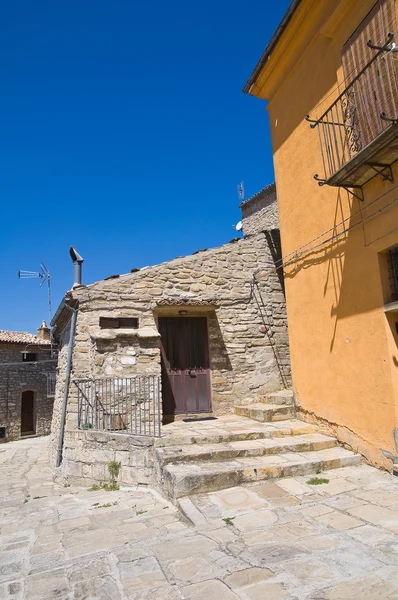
<point>67,381</point>
<point>77,280</point>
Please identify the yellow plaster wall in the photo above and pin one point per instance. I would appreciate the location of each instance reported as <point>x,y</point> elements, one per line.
<point>343,347</point>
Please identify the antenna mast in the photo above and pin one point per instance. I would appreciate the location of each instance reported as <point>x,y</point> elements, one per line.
<point>44,275</point>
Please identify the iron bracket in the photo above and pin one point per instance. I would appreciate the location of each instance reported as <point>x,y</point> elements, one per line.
<point>319,180</point>
<point>385,47</point>
<point>359,195</point>
<point>315,123</point>
<point>385,118</point>
<point>385,171</point>
<point>312,121</point>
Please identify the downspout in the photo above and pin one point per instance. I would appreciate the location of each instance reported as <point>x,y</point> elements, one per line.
<point>77,268</point>
<point>67,381</point>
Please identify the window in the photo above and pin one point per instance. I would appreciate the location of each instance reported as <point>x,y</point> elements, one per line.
<point>118,322</point>
<point>393,273</point>
<point>29,357</point>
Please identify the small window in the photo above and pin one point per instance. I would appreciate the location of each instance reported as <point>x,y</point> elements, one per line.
<point>393,273</point>
<point>118,322</point>
<point>29,357</point>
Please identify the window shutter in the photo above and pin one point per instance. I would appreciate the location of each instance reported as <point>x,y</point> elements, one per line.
<point>375,92</point>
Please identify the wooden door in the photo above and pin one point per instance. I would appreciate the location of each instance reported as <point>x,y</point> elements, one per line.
<point>27,412</point>
<point>185,365</point>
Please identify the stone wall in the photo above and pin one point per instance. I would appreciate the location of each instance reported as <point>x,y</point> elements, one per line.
<point>260,212</point>
<point>248,340</point>
<point>16,377</point>
<point>87,454</point>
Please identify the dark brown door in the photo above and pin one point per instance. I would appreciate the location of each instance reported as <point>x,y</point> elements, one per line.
<point>185,365</point>
<point>27,413</point>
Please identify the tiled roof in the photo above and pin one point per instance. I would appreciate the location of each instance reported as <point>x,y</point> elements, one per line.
<point>21,337</point>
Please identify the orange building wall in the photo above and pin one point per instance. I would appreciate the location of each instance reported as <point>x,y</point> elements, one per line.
<point>343,346</point>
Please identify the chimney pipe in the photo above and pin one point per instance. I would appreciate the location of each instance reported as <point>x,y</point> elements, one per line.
<point>77,264</point>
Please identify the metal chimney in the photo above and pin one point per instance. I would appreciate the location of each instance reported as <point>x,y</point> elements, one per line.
<point>77,264</point>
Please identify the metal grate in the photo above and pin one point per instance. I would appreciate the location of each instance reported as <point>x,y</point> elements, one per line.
<point>393,272</point>
<point>130,405</point>
<point>51,381</point>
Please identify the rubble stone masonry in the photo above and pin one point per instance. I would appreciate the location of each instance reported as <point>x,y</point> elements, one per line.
<point>16,377</point>
<point>247,327</point>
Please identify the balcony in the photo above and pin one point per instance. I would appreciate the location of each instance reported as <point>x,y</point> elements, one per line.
<point>358,133</point>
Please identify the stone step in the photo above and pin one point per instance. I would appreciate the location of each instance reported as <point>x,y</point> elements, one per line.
<point>243,449</point>
<point>265,412</point>
<point>280,397</point>
<point>243,430</point>
<point>183,479</point>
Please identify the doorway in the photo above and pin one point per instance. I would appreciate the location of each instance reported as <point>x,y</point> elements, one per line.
<point>28,413</point>
<point>185,365</point>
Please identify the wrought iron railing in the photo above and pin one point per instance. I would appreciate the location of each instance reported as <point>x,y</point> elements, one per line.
<point>129,405</point>
<point>365,108</point>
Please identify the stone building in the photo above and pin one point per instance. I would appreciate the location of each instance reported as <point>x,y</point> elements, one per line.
<point>27,383</point>
<point>199,335</point>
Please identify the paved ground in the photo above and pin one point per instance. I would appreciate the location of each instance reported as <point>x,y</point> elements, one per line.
<point>271,541</point>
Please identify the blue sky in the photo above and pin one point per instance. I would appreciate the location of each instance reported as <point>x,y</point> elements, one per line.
<point>125,132</point>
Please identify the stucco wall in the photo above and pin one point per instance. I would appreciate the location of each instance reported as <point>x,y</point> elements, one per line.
<point>248,341</point>
<point>343,346</point>
<point>16,377</point>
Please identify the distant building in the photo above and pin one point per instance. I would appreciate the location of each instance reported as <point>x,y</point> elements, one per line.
<point>27,383</point>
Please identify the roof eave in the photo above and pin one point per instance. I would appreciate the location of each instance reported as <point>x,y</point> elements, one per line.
<point>271,45</point>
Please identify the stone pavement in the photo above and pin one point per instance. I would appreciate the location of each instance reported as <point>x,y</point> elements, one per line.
<point>273,540</point>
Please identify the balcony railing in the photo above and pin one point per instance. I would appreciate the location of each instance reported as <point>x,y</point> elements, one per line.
<point>129,405</point>
<point>355,132</point>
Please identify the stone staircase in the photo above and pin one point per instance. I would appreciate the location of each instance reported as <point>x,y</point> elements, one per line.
<point>264,441</point>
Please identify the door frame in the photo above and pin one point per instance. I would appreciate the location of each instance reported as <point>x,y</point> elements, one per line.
<point>174,312</point>
<point>24,433</point>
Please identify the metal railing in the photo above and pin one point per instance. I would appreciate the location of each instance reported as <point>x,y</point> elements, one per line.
<point>367,106</point>
<point>130,405</point>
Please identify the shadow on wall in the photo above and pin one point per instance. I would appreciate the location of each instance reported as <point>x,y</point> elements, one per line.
<point>352,251</point>
<point>273,238</point>
<point>219,357</point>
<point>314,80</point>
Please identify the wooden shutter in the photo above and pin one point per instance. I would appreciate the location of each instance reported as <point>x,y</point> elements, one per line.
<point>375,92</point>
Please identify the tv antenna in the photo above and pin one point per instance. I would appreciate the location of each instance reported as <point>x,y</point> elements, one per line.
<point>241,191</point>
<point>44,275</point>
